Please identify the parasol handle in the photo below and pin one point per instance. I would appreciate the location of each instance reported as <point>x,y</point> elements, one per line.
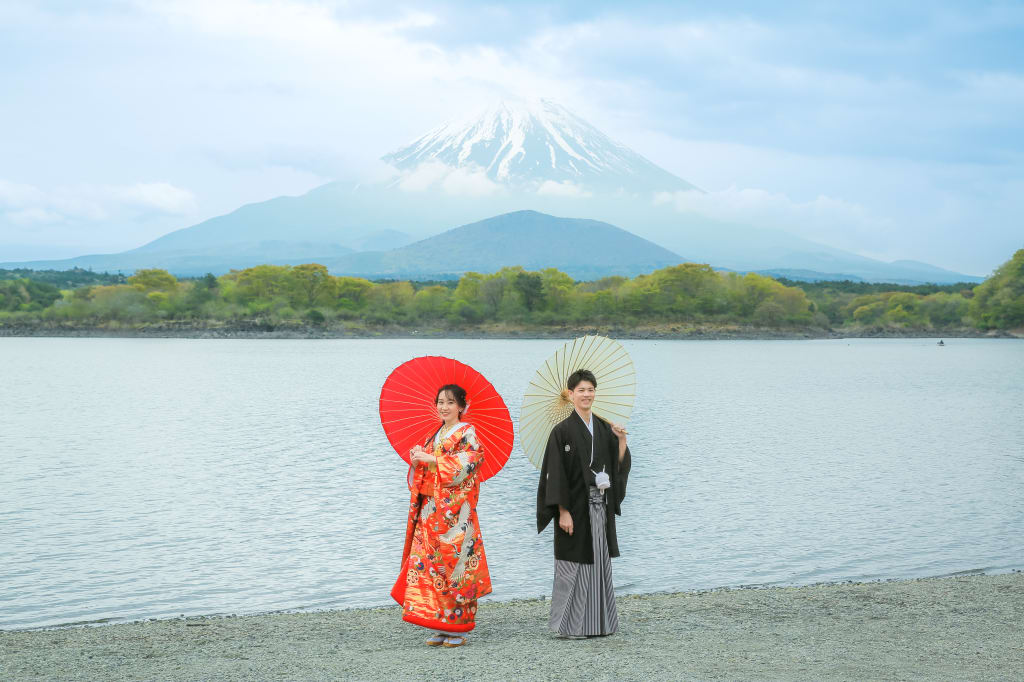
<point>624,429</point>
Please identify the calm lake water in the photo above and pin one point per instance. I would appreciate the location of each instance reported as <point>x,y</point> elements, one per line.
<point>154,478</point>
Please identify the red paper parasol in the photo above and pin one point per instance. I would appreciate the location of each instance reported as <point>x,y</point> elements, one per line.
<point>409,417</point>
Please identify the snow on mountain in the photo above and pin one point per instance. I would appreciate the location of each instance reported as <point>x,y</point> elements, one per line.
<point>537,145</point>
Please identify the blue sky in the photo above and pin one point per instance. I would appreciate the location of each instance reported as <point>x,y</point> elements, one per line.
<point>890,129</point>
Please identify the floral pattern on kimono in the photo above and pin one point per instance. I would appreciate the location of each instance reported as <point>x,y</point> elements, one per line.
<point>444,570</point>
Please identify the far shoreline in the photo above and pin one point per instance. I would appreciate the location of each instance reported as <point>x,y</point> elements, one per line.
<point>664,332</point>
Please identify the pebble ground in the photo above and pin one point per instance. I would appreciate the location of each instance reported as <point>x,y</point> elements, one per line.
<point>957,628</point>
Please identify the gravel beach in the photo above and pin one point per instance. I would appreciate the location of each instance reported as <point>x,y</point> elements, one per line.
<point>953,628</point>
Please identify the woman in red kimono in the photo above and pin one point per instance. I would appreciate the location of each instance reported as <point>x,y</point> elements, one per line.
<point>444,570</point>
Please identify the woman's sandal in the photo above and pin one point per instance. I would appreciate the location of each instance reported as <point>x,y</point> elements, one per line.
<point>452,642</point>
<point>437,640</point>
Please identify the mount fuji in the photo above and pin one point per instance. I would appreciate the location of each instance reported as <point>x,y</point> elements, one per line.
<point>516,157</point>
<point>536,145</point>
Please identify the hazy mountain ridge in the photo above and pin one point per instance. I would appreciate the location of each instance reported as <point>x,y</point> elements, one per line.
<point>225,252</point>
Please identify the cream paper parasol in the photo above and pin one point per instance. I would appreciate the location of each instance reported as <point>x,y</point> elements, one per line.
<point>546,401</point>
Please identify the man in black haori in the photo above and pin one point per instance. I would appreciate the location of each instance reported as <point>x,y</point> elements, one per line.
<point>582,484</point>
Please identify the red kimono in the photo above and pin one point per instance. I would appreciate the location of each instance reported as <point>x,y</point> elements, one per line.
<point>444,570</point>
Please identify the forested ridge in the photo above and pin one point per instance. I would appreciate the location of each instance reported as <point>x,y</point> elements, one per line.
<point>307,295</point>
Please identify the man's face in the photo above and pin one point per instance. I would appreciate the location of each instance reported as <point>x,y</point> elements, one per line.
<point>583,395</point>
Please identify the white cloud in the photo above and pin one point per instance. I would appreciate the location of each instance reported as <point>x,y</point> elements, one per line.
<point>823,218</point>
<point>158,196</point>
<point>299,22</point>
<point>33,216</point>
<point>15,195</point>
<point>469,182</point>
<point>424,176</point>
<point>744,204</point>
<point>566,188</point>
<point>358,63</point>
<point>24,204</point>
<point>432,175</point>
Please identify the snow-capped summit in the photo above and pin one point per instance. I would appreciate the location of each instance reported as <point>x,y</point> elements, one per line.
<point>536,144</point>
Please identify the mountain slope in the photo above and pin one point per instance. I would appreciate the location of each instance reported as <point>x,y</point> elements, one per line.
<point>312,217</point>
<point>584,249</point>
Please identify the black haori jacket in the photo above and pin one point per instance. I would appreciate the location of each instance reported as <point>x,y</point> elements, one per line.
<point>564,480</point>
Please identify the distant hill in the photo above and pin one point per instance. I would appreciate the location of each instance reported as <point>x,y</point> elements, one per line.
<point>584,249</point>
<point>195,262</point>
<point>898,272</point>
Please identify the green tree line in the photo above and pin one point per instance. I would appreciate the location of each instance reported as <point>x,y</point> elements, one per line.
<point>690,292</point>
<point>65,279</point>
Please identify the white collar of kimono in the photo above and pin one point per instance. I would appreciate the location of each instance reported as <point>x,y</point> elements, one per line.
<point>449,431</point>
<point>588,424</point>
<point>590,427</point>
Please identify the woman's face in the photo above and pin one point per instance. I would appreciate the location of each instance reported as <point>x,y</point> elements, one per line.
<point>447,407</point>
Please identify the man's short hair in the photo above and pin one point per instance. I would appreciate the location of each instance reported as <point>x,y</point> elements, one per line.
<point>580,375</point>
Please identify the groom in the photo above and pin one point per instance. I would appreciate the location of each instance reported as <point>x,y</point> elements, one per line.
<point>582,484</point>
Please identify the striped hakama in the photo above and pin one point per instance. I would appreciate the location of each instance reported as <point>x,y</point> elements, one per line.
<point>583,597</point>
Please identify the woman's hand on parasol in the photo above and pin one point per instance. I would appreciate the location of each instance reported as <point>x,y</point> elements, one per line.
<point>420,456</point>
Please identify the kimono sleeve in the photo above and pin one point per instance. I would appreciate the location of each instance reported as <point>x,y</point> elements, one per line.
<point>466,456</point>
<point>621,471</point>
<point>415,477</point>
<point>553,488</point>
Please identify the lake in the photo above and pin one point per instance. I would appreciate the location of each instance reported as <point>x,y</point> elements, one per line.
<point>149,478</point>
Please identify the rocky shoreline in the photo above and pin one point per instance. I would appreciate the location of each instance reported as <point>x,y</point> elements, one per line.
<point>950,628</point>
<point>261,330</point>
